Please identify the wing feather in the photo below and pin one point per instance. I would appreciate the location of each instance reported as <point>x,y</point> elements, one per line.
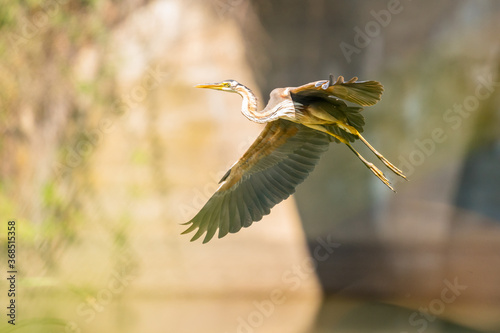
<point>281,158</point>
<point>234,215</point>
<point>245,216</point>
<point>266,190</point>
<point>250,198</point>
<point>282,190</point>
<point>223,218</point>
<point>364,93</point>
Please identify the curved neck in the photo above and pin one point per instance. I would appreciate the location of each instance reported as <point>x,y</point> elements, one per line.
<point>249,107</point>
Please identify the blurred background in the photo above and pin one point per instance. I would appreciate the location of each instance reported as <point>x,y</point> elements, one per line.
<point>106,148</point>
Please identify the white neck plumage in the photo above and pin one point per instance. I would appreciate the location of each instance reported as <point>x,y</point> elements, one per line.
<point>249,107</point>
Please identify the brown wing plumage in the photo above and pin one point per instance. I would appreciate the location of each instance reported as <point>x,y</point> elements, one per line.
<point>332,101</point>
<point>364,93</point>
<point>281,158</point>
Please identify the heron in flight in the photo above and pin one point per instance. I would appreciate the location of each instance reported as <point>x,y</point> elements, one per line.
<point>300,124</point>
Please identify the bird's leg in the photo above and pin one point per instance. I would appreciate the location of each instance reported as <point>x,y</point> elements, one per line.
<point>382,158</point>
<point>324,130</point>
<point>376,171</point>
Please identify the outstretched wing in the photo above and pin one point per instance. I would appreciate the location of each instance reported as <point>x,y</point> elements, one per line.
<point>281,158</point>
<point>364,93</point>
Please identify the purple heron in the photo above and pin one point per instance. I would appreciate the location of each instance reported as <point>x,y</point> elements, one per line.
<point>301,123</point>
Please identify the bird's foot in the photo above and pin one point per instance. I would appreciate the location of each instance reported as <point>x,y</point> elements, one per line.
<point>382,158</point>
<point>391,166</point>
<point>376,171</point>
<point>325,84</point>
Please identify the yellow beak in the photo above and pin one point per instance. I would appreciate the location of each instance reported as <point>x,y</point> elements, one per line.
<point>216,86</point>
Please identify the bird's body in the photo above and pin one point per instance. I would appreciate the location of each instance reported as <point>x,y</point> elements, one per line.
<point>301,123</point>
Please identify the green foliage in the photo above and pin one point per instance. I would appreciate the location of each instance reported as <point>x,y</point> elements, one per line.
<point>40,93</point>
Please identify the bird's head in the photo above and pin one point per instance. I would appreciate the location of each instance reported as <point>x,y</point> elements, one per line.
<point>226,85</point>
